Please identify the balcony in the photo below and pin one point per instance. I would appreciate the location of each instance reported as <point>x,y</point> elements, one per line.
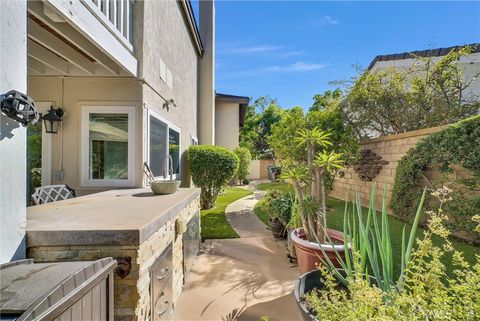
<point>92,37</point>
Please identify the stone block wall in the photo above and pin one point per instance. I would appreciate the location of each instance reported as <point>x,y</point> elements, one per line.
<point>131,294</point>
<point>391,149</point>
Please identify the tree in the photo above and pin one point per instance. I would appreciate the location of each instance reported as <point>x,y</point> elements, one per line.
<point>392,101</point>
<point>244,158</point>
<point>257,127</point>
<point>329,99</point>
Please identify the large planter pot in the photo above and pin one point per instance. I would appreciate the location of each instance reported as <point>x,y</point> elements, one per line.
<point>306,283</point>
<point>278,230</point>
<point>309,253</point>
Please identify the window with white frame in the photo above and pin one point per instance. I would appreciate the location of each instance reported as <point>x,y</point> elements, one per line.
<point>108,146</point>
<point>164,140</point>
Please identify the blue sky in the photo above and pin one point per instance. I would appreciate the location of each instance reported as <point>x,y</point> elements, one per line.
<point>291,50</point>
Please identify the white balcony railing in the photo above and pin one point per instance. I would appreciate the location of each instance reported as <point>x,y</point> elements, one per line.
<point>115,15</point>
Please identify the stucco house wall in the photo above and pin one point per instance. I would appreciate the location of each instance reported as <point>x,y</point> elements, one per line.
<point>72,94</point>
<point>169,66</point>
<point>227,127</point>
<point>168,69</point>
<point>13,70</point>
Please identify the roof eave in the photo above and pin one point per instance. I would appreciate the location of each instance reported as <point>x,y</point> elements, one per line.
<point>192,25</point>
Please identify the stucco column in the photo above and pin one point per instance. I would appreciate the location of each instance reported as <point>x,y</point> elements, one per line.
<point>13,75</point>
<point>206,118</point>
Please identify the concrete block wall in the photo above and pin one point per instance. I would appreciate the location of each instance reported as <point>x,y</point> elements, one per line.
<point>391,148</point>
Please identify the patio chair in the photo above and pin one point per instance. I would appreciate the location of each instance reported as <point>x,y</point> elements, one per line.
<point>52,193</point>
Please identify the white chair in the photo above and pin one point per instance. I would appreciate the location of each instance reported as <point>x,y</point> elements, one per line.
<point>52,193</point>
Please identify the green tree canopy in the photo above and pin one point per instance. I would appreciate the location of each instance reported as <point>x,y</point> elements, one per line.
<point>393,100</point>
<point>257,127</point>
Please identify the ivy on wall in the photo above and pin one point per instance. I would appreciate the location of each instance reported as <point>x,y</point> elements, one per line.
<point>457,146</point>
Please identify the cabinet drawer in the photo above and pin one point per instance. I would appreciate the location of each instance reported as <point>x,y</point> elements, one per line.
<point>161,286</point>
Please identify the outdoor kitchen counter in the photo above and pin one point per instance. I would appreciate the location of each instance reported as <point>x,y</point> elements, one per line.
<point>116,217</point>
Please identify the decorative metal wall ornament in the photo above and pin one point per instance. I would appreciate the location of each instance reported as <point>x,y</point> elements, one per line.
<point>124,266</point>
<point>369,165</point>
<point>19,107</point>
<point>169,103</point>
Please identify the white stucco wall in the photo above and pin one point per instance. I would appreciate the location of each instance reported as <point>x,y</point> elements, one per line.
<point>13,75</point>
<point>227,128</point>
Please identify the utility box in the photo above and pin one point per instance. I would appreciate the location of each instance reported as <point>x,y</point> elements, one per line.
<point>80,290</point>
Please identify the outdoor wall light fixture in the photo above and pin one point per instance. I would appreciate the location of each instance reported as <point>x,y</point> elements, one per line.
<point>52,119</point>
<point>169,103</point>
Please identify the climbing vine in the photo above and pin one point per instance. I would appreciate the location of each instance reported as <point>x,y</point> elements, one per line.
<point>454,150</point>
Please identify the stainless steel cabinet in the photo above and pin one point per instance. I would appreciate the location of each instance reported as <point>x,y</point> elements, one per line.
<point>161,286</point>
<point>191,244</point>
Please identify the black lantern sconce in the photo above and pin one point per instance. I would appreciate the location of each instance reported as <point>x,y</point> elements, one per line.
<point>52,119</point>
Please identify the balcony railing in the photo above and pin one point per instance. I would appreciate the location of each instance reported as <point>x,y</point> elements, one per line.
<point>115,15</point>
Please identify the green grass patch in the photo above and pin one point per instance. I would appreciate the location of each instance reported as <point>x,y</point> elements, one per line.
<point>213,221</point>
<point>335,221</point>
<point>281,186</point>
<point>261,213</point>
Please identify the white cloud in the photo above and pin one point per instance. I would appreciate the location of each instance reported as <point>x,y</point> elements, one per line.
<point>319,23</point>
<point>297,66</point>
<point>247,49</point>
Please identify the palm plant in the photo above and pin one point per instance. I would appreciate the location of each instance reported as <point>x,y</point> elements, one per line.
<point>308,177</point>
<point>370,248</point>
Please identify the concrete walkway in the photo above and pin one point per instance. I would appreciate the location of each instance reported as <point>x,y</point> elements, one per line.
<point>241,216</point>
<point>240,279</point>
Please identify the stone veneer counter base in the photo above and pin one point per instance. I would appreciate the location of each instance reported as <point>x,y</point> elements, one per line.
<point>131,224</point>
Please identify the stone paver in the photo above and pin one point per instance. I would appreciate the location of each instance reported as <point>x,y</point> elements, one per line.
<point>239,279</point>
<point>242,218</point>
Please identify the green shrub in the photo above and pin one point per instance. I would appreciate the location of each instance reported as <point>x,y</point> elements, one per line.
<point>428,292</point>
<point>212,167</point>
<point>450,149</point>
<point>244,158</point>
<point>279,205</point>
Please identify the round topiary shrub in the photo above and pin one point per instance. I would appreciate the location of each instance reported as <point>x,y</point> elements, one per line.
<point>453,153</point>
<point>212,167</point>
<point>244,158</point>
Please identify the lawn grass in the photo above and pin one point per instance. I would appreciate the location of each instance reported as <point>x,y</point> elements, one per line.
<point>281,186</point>
<point>261,213</point>
<point>213,221</point>
<point>335,221</point>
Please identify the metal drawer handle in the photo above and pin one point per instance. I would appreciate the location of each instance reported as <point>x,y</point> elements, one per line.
<point>165,272</point>
<point>162,312</point>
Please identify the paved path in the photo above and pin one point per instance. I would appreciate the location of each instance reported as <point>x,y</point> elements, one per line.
<point>240,279</point>
<point>242,218</point>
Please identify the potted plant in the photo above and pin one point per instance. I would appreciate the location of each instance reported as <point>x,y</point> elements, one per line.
<point>278,206</point>
<point>308,174</point>
<point>366,287</point>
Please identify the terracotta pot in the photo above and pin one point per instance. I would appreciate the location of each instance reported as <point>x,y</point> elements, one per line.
<point>309,253</point>
<point>278,230</point>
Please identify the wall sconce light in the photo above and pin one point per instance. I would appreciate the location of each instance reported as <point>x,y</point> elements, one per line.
<point>169,103</point>
<point>52,119</point>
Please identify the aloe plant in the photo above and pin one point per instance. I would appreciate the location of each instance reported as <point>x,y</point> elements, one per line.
<point>370,249</point>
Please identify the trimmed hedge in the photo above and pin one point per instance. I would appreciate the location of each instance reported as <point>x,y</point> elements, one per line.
<point>244,158</point>
<point>457,145</point>
<point>212,167</point>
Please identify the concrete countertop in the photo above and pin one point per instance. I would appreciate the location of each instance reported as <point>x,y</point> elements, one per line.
<point>116,217</point>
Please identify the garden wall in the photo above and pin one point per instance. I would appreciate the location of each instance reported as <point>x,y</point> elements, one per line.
<point>391,149</point>
<point>258,168</point>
